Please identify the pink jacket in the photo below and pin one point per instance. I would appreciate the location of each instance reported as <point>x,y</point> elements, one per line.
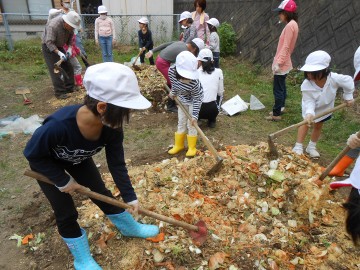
<point>285,47</point>
<point>104,28</point>
<point>201,25</point>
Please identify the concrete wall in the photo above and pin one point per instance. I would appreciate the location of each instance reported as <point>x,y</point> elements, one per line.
<point>330,25</point>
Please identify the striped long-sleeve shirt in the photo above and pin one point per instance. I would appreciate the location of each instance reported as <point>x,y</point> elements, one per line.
<point>188,93</point>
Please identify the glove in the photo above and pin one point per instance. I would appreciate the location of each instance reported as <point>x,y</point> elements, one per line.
<point>353,141</point>
<point>140,49</point>
<point>71,186</point>
<point>62,55</point>
<point>149,54</point>
<point>69,52</point>
<point>276,68</point>
<point>135,208</point>
<point>309,118</point>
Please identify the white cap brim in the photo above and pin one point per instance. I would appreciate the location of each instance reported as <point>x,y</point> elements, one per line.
<point>187,74</point>
<point>310,68</point>
<point>70,23</point>
<point>139,103</point>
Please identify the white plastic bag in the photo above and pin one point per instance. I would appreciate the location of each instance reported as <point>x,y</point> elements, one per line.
<point>28,125</point>
<point>255,104</point>
<point>234,105</point>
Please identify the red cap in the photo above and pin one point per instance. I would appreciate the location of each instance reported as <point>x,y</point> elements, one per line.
<point>287,5</point>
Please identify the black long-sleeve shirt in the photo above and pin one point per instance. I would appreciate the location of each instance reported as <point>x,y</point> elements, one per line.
<point>58,143</point>
<point>145,40</point>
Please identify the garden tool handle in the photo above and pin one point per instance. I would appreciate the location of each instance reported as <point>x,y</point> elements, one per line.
<point>304,122</point>
<point>336,160</point>
<point>112,201</point>
<point>203,136</point>
<point>137,57</point>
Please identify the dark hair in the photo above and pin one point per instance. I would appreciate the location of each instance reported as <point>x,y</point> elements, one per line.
<point>201,3</point>
<point>212,28</point>
<point>189,20</point>
<point>290,15</point>
<point>195,47</point>
<point>178,76</point>
<point>208,66</point>
<point>353,215</point>
<point>114,115</point>
<point>319,74</point>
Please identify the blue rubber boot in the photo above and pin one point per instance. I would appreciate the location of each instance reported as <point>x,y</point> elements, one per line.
<point>79,248</point>
<point>128,226</point>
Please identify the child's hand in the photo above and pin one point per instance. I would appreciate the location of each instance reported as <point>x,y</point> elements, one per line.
<point>276,68</point>
<point>149,54</point>
<point>353,141</point>
<point>310,119</point>
<point>193,121</point>
<point>134,210</point>
<point>171,96</point>
<point>113,41</point>
<point>349,103</point>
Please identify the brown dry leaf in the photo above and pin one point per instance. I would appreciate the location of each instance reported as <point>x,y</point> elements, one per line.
<point>216,260</point>
<point>158,238</point>
<point>101,243</point>
<point>177,216</point>
<point>168,265</point>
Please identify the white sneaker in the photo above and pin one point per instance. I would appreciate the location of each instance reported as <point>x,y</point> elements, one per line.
<point>312,152</point>
<point>298,150</point>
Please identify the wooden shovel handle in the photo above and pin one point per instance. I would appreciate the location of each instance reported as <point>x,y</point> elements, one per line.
<point>137,57</point>
<point>112,201</point>
<point>203,136</point>
<point>336,160</point>
<point>304,122</point>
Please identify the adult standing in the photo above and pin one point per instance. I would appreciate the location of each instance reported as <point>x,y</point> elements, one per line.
<point>167,56</point>
<point>105,34</point>
<point>200,18</point>
<point>282,61</point>
<point>58,32</point>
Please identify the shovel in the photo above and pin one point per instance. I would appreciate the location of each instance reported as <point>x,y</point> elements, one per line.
<point>57,69</point>
<point>198,232</point>
<point>273,154</point>
<point>209,145</point>
<point>137,68</point>
<point>336,160</point>
<point>23,91</point>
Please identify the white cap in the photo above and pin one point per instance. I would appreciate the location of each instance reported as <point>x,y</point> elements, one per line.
<point>186,65</point>
<point>115,84</point>
<point>353,180</point>
<point>316,61</point>
<point>214,22</point>
<point>73,19</point>
<point>199,43</point>
<point>205,53</point>
<point>185,15</point>
<point>102,9</point>
<point>143,20</point>
<point>357,64</point>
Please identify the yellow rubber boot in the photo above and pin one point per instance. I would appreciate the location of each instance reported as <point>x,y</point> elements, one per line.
<point>341,166</point>
<point>179,143</point>
<point>192,146</point>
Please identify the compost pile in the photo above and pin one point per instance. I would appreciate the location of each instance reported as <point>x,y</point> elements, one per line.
<point>257,217</point>
<point>151,83</point>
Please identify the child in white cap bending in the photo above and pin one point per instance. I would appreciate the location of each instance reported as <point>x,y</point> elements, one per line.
<point>62,150</point>
<point>187,88</point>
<point>318,95</point>
<point>349,158</point>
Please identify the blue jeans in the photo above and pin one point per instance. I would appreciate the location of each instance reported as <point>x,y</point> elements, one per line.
<point>106,48</point>
<point>279,91</point>
<point>216,56</point>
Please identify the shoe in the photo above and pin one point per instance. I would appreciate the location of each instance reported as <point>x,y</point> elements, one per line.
<point>172,109</point>
<point>79,248</point>
<point>179,143</point>
<point>62,96</point>
<point>273,118</point>
<point>128,226</point>
<point>281,112</point>
<point>298,149</point>
<point>191,140</point>
<point>311,150</point>
<point>211,124</point>
<point>341,166</point>
<point>78,81</point>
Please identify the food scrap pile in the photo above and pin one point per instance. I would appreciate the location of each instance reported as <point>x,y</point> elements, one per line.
<point>257,217</point>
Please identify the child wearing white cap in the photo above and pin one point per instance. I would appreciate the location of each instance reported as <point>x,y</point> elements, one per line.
<point>105,34</point>
<point>145,40</point>
<point>62,150</point>
<point>212,82</point>
<point>282,64</point>
<point>349,158</point>
<point>167,56</point>
<point>187,88</point>
<point>318,95</point>
<point>214,40</point>
<point>190,29</point>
